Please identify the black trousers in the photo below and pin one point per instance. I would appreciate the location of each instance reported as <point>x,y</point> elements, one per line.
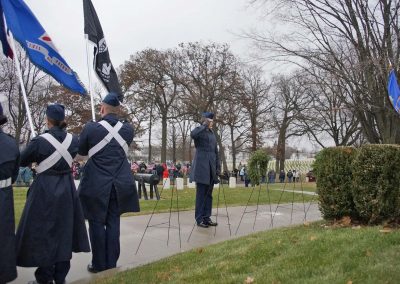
<point>203,202</point>
<point>104,237</point>
<point>56,273</point>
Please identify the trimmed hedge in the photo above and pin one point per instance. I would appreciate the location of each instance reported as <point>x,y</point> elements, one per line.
<point>376,183</point>
<point>333,170</point>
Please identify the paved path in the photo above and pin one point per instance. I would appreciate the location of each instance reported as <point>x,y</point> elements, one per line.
<point>154,245</point>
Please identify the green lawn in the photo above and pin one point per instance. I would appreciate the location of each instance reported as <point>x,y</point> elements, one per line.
<point>304,254</point>
<point>234,197</point>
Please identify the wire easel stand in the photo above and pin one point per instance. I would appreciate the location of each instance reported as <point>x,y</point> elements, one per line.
<point>258,202</point>
<point>226,210</point>
<point>169,219</point>
<point>278,205</point>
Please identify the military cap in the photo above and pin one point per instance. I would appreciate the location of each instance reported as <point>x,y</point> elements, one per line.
<point>208,115</point>
<point>111,99</point>
<point>56,112</point>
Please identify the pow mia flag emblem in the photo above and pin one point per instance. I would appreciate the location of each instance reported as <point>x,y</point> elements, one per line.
<point>102,62</point>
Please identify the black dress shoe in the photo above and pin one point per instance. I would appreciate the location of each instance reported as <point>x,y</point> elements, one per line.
<point>202,225</point>
<point>211,223</point>
<point>91,269</point>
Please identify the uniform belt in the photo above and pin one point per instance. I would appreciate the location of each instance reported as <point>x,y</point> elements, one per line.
<point>5,183</point>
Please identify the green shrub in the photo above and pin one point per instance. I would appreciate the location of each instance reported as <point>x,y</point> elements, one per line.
<point>258,165</point>
<point>333,171</point>
<point>376,180</point>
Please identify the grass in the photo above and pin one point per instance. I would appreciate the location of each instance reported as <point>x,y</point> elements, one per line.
<point>304,254</point>
<point>234,197</point>
<point>19,202</point>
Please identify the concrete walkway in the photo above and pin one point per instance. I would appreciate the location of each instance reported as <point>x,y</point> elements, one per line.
<point>155,246</point>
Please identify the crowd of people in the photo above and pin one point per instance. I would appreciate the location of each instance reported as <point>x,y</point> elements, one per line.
<point>162,170</point>
<point>269,177</point>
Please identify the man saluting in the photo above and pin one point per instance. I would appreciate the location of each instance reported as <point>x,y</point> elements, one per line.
<point>205,170</point>
<point>107,188</point>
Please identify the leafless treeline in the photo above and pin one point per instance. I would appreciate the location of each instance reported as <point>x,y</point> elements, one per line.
<point>337,93</point>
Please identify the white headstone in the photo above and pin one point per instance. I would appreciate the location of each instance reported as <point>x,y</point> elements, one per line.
<point>166,183</point>
<point>191,184</point>
<point>179,183</point>
<point>232,182</point>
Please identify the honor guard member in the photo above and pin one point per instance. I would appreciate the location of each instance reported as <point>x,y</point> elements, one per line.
<point>107,188</point>
<point>52,225</point>
<point>9,166</point>
<point>205,169</point>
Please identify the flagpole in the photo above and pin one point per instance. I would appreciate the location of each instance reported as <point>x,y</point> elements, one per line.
<point>90,78</point>
<point>21,81</point>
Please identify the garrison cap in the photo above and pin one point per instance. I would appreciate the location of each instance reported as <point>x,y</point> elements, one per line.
<point>56,112</point>
<point>111,99</point>
<point>208,115</point>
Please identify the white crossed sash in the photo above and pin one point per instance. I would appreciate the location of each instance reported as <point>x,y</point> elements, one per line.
<point>112,133</point>
<point>60,152</point>
<point>5,183</point>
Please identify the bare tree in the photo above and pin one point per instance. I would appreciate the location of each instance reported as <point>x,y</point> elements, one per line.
<point>33,80</point>
<point>328,116</point>
<point>78,108</point>
<point>209,76</point>
<point>291,102</point>
<point>148,76</point>
<point>233,116</point>
<point>351,39</point>
<point>256,102</point>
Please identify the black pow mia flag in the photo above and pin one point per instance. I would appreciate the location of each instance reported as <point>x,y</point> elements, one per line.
<point>102,63</point>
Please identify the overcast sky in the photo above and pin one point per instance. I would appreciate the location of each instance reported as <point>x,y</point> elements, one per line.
<point>130,25</point>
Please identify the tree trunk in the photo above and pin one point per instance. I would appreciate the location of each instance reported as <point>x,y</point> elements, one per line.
<point>164,137</point>
<point>281,147</point>
<point>221,152</point>
<point>233,149</point>
<point>254,134</point>
<point>150,126</point>
<point>173,144</point>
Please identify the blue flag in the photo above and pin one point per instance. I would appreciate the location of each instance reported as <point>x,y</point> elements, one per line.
<point>394,91</point>
<point>27,30</point>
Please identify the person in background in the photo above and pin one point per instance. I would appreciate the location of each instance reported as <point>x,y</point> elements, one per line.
<point>295,176</point>
<point>282,176</point>
<point>242,173</point>
<point>9,168</point>
<point>246,178</point>
<point>289,176</point>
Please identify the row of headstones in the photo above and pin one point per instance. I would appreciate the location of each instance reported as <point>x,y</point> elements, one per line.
<point>166,183</point>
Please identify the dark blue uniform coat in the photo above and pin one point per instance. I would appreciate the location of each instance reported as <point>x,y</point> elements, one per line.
<point>52,225</point>
<point>108,168</point>
<point>9,165</point>
<point>206,164</point>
